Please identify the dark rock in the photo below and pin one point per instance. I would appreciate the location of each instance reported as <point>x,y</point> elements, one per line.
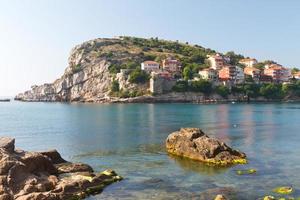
<point>194,144</point>
<point>7,143</point>
<point>68,167</point>
<point>54,156</point>
<point>47,176</point>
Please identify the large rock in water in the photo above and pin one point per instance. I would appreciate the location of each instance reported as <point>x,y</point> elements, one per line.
<point>194,144</point>
<point>46,175</point>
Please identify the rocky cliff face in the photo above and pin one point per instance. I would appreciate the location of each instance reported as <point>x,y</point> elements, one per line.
<point>85,79</point>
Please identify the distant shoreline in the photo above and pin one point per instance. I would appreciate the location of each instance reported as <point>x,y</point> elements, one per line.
<point>174,98</point>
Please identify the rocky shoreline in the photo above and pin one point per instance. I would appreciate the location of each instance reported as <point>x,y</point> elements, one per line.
<point>46,175</point>
<point>173,97</point>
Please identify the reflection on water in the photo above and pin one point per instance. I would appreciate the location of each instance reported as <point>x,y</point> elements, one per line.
<point>130,139</point>
<point>142,149</point>
<point>198,167</point>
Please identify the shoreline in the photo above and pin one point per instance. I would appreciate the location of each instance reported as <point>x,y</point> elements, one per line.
<point>170,98</point>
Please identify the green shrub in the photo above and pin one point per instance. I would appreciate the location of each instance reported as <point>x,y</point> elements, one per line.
<point>181,86</point>
<point>222,91</point>
<point>114,68</point>
<point>138,76</point>
<point>271,91</point>
<point>187,73</point>
<point>76,68</point>
<point>201,86</point>
<point>115,86</point>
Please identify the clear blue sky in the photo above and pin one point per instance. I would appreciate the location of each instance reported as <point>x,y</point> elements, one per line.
<point>36,35</point>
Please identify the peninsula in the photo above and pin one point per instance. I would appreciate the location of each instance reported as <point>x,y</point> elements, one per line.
<point>130,69</point>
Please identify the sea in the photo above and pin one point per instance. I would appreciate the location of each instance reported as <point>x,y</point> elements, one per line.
<point>130,138</point>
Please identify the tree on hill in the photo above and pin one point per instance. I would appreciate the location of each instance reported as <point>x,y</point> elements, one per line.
<point>234,58</point>
<point>115,86</point>
<point>222,91</point>
<point>295,70</point>
<point>138,76</point>
<point>188,73</point>
<point>203,86</point>
<point>271,91</point>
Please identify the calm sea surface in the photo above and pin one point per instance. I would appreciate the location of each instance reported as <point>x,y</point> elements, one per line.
<point>129,138</point>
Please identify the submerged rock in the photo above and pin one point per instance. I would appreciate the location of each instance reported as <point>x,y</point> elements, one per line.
<point>195,144</point>
<point>283,190</point>
<point>220,197</point>
<point>246,172</point>
<point>46,175</point>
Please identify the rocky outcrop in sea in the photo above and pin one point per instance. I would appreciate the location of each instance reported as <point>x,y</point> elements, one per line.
<point>193,143</point>
<point>46,175</point>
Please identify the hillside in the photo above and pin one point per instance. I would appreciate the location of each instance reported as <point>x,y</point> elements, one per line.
<point>93,75</point>
<point>93,66</point>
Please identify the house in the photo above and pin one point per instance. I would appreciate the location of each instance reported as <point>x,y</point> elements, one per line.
<point>278,73</point>
<point>233,74</point>
<point>227,73</point>
<point>265,79</point>
<point>248,62</point>
<point>209,74</point>
<point>217,61</point>
<point>171,65</point>
<point>162,74</point>
<point>240,76</point>
<point>150,66</point>
<point>252,72</point>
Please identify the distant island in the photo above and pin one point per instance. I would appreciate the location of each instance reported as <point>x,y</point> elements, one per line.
<point>130,69</point>
<point>5,100</point>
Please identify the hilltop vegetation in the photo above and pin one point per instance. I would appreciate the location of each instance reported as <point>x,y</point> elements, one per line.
<point>129,52</point>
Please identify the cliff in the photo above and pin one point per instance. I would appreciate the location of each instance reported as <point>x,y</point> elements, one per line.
<point>93,65</point>
<point>85,79</point>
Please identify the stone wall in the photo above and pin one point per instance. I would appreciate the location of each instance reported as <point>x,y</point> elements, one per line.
<point>160,85</point>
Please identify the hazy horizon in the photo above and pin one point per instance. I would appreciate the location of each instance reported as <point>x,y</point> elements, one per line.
<point>37,36</point>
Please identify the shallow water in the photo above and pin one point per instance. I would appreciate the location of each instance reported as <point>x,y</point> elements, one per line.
<point>129,138</point>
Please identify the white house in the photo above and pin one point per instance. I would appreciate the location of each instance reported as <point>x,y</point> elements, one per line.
<point>150,66</point>
<point>208,74</point>
<point>248,62</point>
<point>217,61</point>
<point>240,76</point>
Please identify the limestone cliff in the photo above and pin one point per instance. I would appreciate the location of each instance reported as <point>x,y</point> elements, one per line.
<point>85,79</point>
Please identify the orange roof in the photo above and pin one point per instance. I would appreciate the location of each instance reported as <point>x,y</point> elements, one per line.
<point>276,67</point>
<point>149,62</point>
<point>248,60</point>
<point>296,74</point>
<point>251,69</point>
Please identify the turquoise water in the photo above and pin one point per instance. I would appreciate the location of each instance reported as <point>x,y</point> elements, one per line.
<point>130,139</point>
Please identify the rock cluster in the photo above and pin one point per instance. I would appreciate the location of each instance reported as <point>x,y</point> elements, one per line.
<point>195,144</point>
<point>46,175</point>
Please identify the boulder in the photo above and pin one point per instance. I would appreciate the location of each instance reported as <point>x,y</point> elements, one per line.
<point>54,156</point>
<point>193,143</point>
<point>220,197</point>
<point>7,144</point>
<point>68,167</point>
<point>46,176</point>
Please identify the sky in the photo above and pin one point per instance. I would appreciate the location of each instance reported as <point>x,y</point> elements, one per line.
<point>36,36</point>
